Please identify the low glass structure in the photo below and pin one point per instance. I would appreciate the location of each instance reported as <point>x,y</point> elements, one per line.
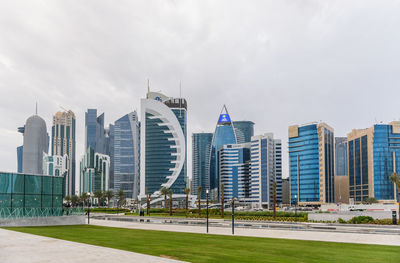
<point>26,195</point>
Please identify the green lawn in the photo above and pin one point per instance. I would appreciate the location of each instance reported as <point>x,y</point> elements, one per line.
<point>217,248</point>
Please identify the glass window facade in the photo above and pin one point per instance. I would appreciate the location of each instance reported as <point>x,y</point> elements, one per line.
<point>244,130</point>
<point>23,195</point>
<point>201,145</point>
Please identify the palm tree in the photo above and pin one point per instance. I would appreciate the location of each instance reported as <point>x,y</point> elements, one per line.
<point>170,192</point>
<point>147,202</point>
<point>274,193</point>
<point>395,178</point>
<point>222,200</point>
<point>164,191</point>
<point>108,194</point>
<point>67,199</point>
<point>99,195</point>
<point>187,192</point>
<point>74,200</point>
<point>198,197</point>
<point>84,198</point>
<point>121,197</point>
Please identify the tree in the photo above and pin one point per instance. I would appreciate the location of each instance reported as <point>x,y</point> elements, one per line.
<point>274,193</point>
<point>121,197</point>
<point>395,178</point>
<point>74,200</point>
<point>187,192</point>
<point>108,195</point>
<point>222,200</point>
<point>84,198</point>
<point>67,199</point>
<point>170,192</point>
<point>370,200</point>
<point>198,197</point>
<point>99,195</point>
<point>164,191</point>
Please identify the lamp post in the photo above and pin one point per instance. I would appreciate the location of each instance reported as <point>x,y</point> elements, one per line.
<point>295,208</point>
<point>207,208</point>
<point>88,211</point>
<point>233,215</point>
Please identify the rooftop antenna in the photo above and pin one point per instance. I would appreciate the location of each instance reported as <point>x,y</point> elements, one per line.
<point>148,86</point>
<point>180,99</point>
<point>36,108</point>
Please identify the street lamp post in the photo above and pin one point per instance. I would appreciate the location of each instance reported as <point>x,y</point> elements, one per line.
<point>233,215</point>
<point>207,208</point>
<point>295,208</point>
<point>88,211</point>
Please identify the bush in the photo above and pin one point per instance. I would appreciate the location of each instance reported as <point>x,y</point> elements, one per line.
<point>361,220</point>
<point>342,221</point>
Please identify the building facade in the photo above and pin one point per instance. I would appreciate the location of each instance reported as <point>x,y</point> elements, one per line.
<point>55,165</point>
<point>311,164</point>
<point>373,155</point>
<point>63,142</point>
<point>224,134</point>
<point>95,135</point>
<point>244,130</point>
<point>35,144</point>
<point>201,150</point>
<point>234,171</point>
<point>125,157</point>
<point>94,172</point>
<point>163,144</point>
<point>266,169</point>
<point>20,152</point>
<point>340,156</point>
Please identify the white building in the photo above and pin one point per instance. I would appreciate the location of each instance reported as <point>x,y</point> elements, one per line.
<point>94,172</point>
<point>55,165</point>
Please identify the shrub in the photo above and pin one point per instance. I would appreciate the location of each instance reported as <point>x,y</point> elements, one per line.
<point>361,220</point>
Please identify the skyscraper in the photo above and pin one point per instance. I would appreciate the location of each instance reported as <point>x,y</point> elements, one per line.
<point>244,130</point>
<point>373,155</point>
<point>20,152</point>
<point>94,131</point>
<point>311,164</point>
<point>125,157</point>
<point>94,172</point>
<point>55,165</point>
<point>224,134</point>
<point>63,142</point>
<point>163,144</point>
<point>35,144</point>
<point>234,171</point>
<point>201,150</point>
<point>110,152</point>
<point>340,156</point>
<point>266,168</point>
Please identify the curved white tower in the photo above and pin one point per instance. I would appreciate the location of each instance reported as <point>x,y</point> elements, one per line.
<point>35,144</point>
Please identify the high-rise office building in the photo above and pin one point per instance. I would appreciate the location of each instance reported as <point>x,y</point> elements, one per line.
<point>244,130</point>
<point>201,150</point>
<point>341,179</point>
<point>224,134</point>
<point>35,144</point>
<point>63,142</point>
<point>55,165</point>
<point>266,169</point>
<point>110,152</point>
<point>163,144</point>
<point>234,171</point>
<point>125,154</point>
<point>95,135</point>
<point>311,164</point>
<point>94,172</point>
<point>373,155</point>
<point>20,152</point>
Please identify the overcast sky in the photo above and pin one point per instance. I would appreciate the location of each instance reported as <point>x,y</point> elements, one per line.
<point>276,63</point>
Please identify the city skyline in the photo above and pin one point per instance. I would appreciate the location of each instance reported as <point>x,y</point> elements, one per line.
<point>266,73</point>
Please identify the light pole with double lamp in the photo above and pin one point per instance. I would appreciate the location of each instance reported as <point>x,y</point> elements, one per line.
<point>88,209</point>
<point>295,208</point>
<point>207,208</point>
<point>233,214</point>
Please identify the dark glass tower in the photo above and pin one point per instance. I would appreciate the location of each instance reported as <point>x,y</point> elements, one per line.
<point>94,131</point>
<point>244,130</point>
<point>201,150</point>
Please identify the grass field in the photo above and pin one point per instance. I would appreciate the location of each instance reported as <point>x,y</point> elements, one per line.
<point>218,248</point>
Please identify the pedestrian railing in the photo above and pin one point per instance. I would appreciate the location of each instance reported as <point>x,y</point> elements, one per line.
<point>14,213</point>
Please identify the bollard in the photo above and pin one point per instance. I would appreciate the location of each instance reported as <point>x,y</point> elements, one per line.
<point>394,218</point>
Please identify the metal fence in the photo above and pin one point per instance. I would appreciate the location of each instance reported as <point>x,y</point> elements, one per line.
<point>14,213</point>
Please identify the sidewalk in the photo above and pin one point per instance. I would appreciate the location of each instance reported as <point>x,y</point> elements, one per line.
<point>374,239</point>
<point>16,247</point>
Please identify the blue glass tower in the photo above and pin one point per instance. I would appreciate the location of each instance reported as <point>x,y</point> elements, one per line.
<point>201,150</point>
<point>340,156</point>
<point>19,158</point>
<point>244,130</point>
<point>163,144</point>
<point>311,164</point>
<point>224,134</point>
<point>94,131</point>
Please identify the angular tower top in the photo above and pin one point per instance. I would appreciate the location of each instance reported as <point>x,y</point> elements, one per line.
<point>224,118</point>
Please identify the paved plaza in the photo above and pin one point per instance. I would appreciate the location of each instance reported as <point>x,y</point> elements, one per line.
<point>375,239</point>
<point>16,247</point>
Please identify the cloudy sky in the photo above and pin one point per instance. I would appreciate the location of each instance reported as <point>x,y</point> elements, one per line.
<point>276,63</point>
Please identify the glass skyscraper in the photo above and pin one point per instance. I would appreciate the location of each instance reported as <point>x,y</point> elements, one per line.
<point>94,131</point>
<point>125,158</point>
<point>94,172</point>
<point>163,144</point>
<point>224,134</point>
<point>373,155</point>
<point>201,150</point>
<point>244,130</point>
<point>311,164</point>
<point>340,156</point>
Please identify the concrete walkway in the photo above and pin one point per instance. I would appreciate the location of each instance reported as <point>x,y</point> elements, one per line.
<point>375,239</point>
<point>16,247</point>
